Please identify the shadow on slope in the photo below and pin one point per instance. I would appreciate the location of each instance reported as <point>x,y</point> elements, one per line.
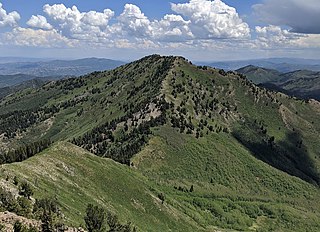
<point>289,155</point>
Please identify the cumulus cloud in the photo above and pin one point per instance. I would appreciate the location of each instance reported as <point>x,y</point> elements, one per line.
<point>301,16</point>
<point>36,38</point>
<point>90,25</point>
<point>201,24</point>
<point>97,18</point>
<point>274,37</point>
<point>212,19</point>
<point>39,21</point>
<point>172,28</point>
<point>133,22</point>
<point>10,19</point>
<point>196,20</point>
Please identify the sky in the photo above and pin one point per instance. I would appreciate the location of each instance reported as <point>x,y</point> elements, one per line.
<point>200,30</point>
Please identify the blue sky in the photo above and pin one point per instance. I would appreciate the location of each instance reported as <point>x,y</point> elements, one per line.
<point>198,29</point>
<point>152,8</point>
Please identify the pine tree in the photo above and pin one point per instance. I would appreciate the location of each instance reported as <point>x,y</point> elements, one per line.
<point>94,218</point>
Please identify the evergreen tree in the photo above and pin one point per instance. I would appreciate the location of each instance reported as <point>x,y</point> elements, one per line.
<point>25,190</point>
<point>95,218</point>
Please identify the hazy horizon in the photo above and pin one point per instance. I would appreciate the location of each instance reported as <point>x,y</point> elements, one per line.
<point>200,30</point>
<point>44,59</point>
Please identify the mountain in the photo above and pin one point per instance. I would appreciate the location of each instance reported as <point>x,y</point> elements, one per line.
<point>33,83</point>
<point>299,74</point>
<point>280,64</point>
<point>59,67</point>
<point>304,84</point>
<point>305,87</point>
<point>259,75</point>
<point>14,73</point>
<point>10,80</point>
<point>168,146</point>
<point>6,60</point>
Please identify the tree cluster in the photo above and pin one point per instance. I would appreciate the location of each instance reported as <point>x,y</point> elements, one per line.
<point>18,121</point>
<point>24,152</point>
<point>98,220</point>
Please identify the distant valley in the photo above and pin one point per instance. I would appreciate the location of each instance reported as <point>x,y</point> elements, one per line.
<point>54,69</point>
<point>22,73</point>
<point>32,84</point>
<point>280,64</point>
<point>301,83</point>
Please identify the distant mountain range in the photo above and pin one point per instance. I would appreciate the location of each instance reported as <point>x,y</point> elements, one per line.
<point>6,60</point>
<point>301,83</point>
<point>17,79</point>
<point>34,83</point>
<point>58,67</point>
<point>288,75</point>
<point>280,64</point>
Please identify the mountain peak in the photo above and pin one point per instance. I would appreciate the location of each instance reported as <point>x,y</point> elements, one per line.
<point>203,143</point>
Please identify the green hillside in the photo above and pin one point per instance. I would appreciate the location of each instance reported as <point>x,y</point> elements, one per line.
<point>303,84</point>
<point>34,83</point>
<point>76,178</point>
<point>260,75</point>
<point>222,152</point>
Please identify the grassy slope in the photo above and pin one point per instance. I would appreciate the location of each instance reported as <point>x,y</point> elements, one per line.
<point>98,108</point>
<point>220,167</point>
<point>302,83</point>
<point>232,189</point>
<point>229,183</point>
<point>77,178</point>
<point>282,116</point>
<point>260,75</point>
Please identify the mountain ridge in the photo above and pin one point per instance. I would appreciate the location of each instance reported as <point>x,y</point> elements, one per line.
<point>304,84</point>
<point>279,64</point>
<point>216,148</point>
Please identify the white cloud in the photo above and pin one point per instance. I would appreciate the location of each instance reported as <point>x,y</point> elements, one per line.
<point>212,19</point>
<point>172,28</point>
<point>133,22</point>
<point>198,25</point>
<point>10,19</point>
<point>196,20</point>
<point>274,37</point>
<point>206,20</point>
<point>39,21</point>
<point>99,19</point>
<point>301,16</point>
<point>142,44</point>
<point>310,41</point>
<point>36,38</point>
<point>90,25</point>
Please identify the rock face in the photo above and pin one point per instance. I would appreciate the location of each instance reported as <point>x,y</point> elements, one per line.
<point>8,219</point>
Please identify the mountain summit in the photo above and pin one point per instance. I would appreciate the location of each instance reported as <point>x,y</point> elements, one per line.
<point>214,149</point>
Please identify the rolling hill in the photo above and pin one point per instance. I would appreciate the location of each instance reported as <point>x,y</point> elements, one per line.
<point>303,84</point>
<point>169,146</point>
<point>33,83</point>
<point>259,75</point>
<point>282,65</point>
<point>11,80</point>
